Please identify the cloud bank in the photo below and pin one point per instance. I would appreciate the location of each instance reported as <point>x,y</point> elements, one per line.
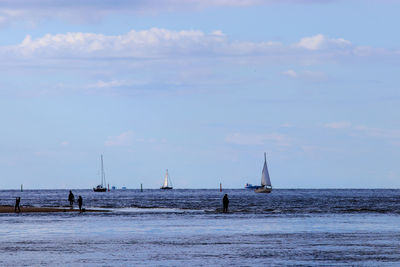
<point>164,44</point>
<point>186,59</point>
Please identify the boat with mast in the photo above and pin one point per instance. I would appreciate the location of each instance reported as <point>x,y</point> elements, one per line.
<point>167,182</point>
<point>101,187</point>
<point>266,186</point>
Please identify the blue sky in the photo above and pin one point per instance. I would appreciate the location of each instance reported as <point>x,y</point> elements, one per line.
<point>202,88</point>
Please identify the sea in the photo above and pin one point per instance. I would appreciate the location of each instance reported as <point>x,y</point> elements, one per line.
<point>299,227</point>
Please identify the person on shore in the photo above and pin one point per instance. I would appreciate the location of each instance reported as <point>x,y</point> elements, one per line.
<point>80,202</point>
<point>225,202</point>
<point>17,201</point>
<point>71,199</point>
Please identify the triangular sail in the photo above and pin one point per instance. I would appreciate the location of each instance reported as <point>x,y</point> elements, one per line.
<point>166,179</point>
<point>265,181</point>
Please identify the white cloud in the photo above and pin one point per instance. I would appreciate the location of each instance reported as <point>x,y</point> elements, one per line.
<point>124,139</point>
<point>312,43</point>
<point>258,139</point>
<point>319,41</point>
<point>150,43</point>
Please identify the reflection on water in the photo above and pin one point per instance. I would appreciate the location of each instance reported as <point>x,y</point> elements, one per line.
<point>286,227</point>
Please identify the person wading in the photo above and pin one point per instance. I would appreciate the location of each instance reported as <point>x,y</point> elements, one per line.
<point>17,201</point>
<point>80,202</point>
<point>71,199</point>
<point>225,202</point>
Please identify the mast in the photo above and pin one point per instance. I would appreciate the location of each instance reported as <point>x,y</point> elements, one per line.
<point>103,175</point>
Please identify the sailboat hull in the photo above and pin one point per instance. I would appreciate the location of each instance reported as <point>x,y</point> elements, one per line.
<point>166,188</point>
<point>99,189</point>
<point>263,190</point>
<point>250,186</point>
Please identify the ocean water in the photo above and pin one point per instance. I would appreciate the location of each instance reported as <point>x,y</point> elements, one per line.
<point>186,227</point>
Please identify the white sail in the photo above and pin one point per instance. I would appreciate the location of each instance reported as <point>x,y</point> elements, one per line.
<point>166,179</point>
<point>265,181</point>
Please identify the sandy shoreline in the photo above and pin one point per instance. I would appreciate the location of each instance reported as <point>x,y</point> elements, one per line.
<point>10,209</point>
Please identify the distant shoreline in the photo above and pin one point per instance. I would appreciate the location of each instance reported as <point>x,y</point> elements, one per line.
<point>10,209</point>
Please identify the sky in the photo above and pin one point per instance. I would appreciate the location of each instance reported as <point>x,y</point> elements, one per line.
<point>202,88</point>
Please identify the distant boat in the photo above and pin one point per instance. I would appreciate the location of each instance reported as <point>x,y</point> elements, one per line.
<point>266,186</point>
<point>101,187</point>
<point>250,186</point>
<point>167,182</point>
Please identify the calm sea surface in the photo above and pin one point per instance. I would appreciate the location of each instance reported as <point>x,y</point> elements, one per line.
<point>186,227</point>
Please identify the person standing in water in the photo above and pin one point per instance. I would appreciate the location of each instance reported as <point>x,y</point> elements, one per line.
<point>71,199</point>
<point>17,201</point>
<point>225,202</point>
<point>80,202</point>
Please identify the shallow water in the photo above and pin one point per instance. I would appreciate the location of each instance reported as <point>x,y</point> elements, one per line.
<point>182,227</point>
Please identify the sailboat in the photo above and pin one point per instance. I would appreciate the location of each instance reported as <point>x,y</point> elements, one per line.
<point>167,182</point>
<point>101,187</point>
<point>266,186</point>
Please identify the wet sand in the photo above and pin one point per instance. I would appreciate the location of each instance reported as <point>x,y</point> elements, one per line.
<point>10,209</point>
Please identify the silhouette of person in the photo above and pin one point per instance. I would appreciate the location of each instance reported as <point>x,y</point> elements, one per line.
<point>225,202</point>
<point>80,202</point>
<point>17,201</point>
<point>71,199</point>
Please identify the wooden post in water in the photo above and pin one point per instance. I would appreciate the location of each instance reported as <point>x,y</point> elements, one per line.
<point>108,187</point>
<point>220,187</point>
<point>141,188</point>
<point>21,188</point>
